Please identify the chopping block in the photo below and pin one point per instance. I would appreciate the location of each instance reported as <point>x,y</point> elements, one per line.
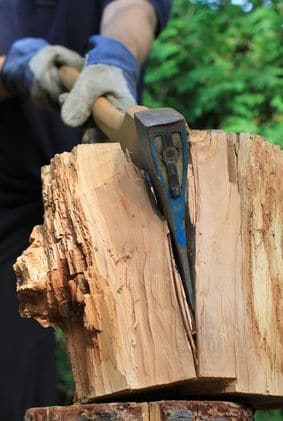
<point>154,411</point>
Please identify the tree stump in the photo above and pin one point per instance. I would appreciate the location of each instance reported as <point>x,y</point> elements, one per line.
<point>154,411</point>
<point>101,268</point>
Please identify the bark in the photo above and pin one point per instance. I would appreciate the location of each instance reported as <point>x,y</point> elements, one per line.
<point>155,411</point>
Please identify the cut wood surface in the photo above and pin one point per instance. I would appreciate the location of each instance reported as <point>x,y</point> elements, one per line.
<point>215,205</point>
<point>259,285</point>
<point>153,411</point>
<point>101,268</point>
<point>237,211</point>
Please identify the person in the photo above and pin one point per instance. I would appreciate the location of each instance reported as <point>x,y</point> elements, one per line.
<point>108,42</point>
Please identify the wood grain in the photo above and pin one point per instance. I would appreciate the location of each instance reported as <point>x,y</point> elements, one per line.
<point>216,218</point>
<point>236,208</point>
<point>101,268</point>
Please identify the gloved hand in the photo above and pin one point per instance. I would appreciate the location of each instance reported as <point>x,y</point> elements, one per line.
<point>110,70</point>
<point>31,68</point>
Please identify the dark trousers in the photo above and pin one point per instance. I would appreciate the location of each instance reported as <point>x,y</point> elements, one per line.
<point>27,357</point>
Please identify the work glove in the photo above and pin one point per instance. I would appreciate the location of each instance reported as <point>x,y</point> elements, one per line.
<point>110,70</point>
<point>31,68</point>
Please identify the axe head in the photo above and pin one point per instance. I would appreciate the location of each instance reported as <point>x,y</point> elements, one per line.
<point>163,148</point>
<point>163,152</point>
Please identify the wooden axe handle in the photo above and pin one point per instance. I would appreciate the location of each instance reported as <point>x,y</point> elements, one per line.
<point>118,126</point>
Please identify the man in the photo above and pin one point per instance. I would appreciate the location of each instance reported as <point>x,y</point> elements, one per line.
<point>36,37</point>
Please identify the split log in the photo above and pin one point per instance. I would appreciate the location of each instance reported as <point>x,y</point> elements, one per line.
<point>101,268</point>
<point>155,411</point>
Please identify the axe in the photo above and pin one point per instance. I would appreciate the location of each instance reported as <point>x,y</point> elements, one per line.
<point>156,140</point>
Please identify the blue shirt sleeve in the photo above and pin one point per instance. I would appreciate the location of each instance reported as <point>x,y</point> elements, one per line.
<point>163,9</point>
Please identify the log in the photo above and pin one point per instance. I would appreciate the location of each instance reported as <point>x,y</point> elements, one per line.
<point>92,270</point>
<point>101,268</point>
<point>153,411</point>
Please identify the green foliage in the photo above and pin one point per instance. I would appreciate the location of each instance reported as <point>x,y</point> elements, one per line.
<point>221,67</point>
<point>64,372</point>
<point>269,416</point>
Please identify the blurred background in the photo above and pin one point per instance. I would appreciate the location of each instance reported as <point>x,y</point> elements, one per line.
<point>219,63</point>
